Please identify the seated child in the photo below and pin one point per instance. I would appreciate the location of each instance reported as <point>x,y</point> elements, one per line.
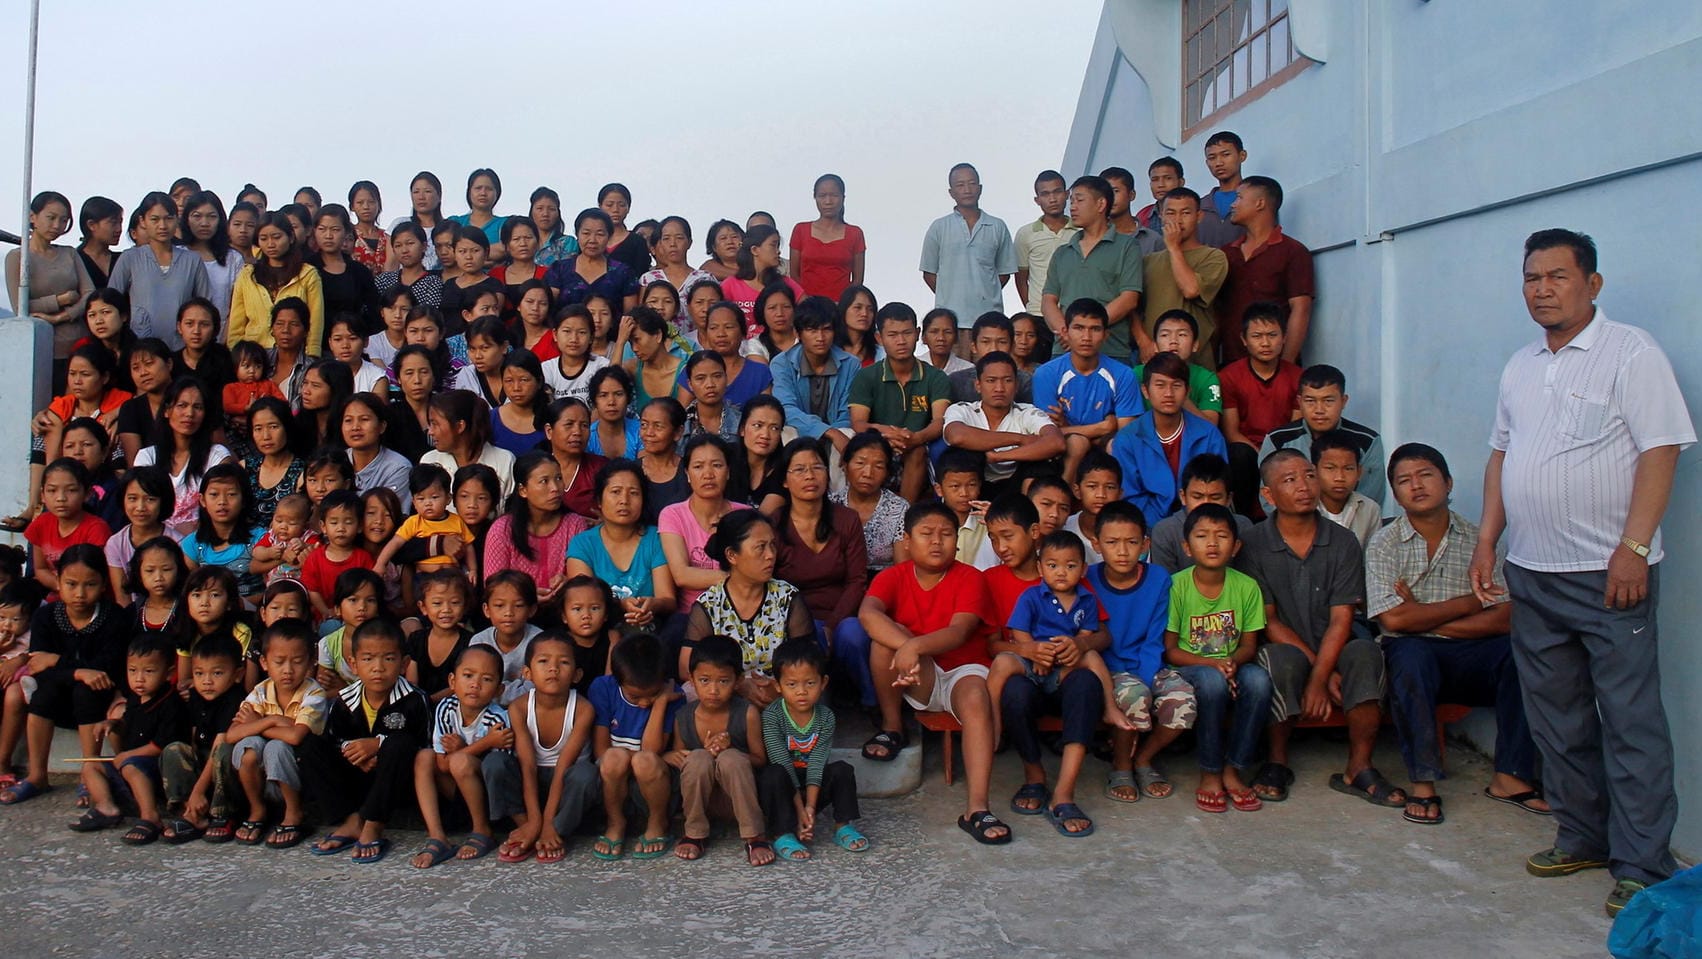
<point>468,730</point>
<point>64,522</point>
<point>359,595</point>
<point>222,536</point>
<point>280,550</point>
<point>1154,697</point>
<point>1336,456</point>
<point>511,597</point>
<point>635,707</point>
<point>586,606</point>
<point>1216,616</point>
<point>251,383</point>
<point>800,780</point>
<point>276,718</point>
<point>434,648</point>
<point>958,484</point>
<point>1101,482</point>
<point>548,783</point>
<point>196,770</point>
<point>326,471</point>
<point>430,487</point>
<point>1178,331</point>
<point>147,719</point>
<point>211,608</point>
<point>1012,528</point>
<point>362,768</point>
<point>712,751</point>
<point>19,600</point>
<point>1204,479</point>
<point>1323,398</point>
<point>1054,499</point>
<point>340,521</point>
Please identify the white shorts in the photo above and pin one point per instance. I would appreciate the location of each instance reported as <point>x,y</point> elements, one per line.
<point>944,682</point>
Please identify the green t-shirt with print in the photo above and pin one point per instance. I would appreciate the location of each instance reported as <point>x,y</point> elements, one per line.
<point>1213,627</point>
<point>1204,391</point>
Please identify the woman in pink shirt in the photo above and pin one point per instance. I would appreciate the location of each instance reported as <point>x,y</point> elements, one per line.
<point>759,265</point>
<point>532,536</point>
<point>686,527</point>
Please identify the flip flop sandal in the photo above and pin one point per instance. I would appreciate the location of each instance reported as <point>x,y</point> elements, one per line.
<point>481,845</point>
<point>614,849</point>
<point>285,837</point>
<point>1427,803</point>
<point>850,840</point>
<point>553,856</point>
<point>1370,786</point>
<point>1035,791</point>
<point>14,524</point>
<point>256,833</point>
<point>1245,800</point>
<point>21,791</point>
<point>1213,802</point>
<point>509,855</point>
<point>1150,776</point>
<point>690,842</point>
<point>1064,812</point>
<point>1521,800</point>
<point>752,845</point>
<point>94,821</point>
<point>180,831</point>
<point>437,851</point>
<point>787,848</point>
<point>1121,779</point>
<point>338,842</point>
<point>141,834</point>
<point>666,842</point>
<point>219,831</point>
<point>1277,777</point>
<point>978,824</point>
<point>382,848</point>
<point>892,742</point>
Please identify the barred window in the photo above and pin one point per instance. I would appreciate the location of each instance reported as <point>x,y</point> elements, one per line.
<point>1232,51</point>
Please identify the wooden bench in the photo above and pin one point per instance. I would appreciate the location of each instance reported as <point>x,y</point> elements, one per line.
<point>948,728</point>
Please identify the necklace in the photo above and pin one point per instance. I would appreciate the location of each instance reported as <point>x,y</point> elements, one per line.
<point>1167,440</point>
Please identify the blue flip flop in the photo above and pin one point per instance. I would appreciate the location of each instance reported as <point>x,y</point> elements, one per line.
<point>1064,812</point>
<point>1031,791</point>
<point>383,847</point>
<point>341,843</point>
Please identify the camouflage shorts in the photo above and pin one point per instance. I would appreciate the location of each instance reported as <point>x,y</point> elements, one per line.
<point>1171,699</point>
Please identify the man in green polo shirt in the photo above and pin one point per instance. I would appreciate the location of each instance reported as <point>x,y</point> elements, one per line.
<point>1100,264</point>
<point>901,398</point>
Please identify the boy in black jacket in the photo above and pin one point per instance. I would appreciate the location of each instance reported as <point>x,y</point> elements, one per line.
<point>363,767</point>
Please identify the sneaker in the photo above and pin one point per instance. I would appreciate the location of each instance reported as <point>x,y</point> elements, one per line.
<point>1622,892</point>
<point>1552,862</point>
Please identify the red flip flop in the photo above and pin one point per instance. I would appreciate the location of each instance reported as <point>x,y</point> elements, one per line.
<point>1209,801</point>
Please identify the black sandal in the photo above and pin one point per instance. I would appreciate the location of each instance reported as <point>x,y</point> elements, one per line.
<point>1274,777</point>
<point>752,845</point>
<point>690,842</point>
<point>979,824</point>
<point>892,742</point>
<point>285,837</point>
<point>179,831</point>
<point>1370,786</point>
<point>1426,803</point>
<point>141,834</point>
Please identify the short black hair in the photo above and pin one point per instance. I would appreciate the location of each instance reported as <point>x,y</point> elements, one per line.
<point>551,636</point>
<point>1322,376</point>
<point>144,645</point>
<point>24,594</point>
<point>1099,461</point>
<point>221,645</point>
<point>1050,481</point>
<point>477,649</point>
<point>894,310</point>
<point>799,652</point>
<point>1088,307</point>
<point>1012,508</point>
<point>639,661</point>
<point>426,475</point>
<point>721,651</point>
<point>1204,468</point>
<point>921,511</point>
<point>1120,174</point>
<point>1583,248</point>
<point>1406,451</point>
<point>1123,511</point>
<point>1183,193</point>
<point>1269,187</point>
<point>992,319</point>
<point>1180,316</point>
<point>288,629</point>
<point>958,460</point>
<point>1097,185</point>
<point>1168,364</point>
<point>1170,162</point>
<point>1335,440</point>
<point>1047,176</point>
<point>1215,512</point>
<point>993,358</point>
<point>1269,311</point>
<point>379,629</point>
<point>1063,539</point>
<point>1225,136</point>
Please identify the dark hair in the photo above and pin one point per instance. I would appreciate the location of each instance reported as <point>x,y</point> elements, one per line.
<point>340,499</point>
<point>730,534</point>
<point>992,358</point>
<point>368,186</point>
<point>671,409</point>
<point>930,508</point>
<point>1334,440</point>
<point>76,469</point>
<point>1418,451</point>
<point>496,182</point>
<point>519,511</point>
<point>527,362</point>
<point>612,614</point>
<point>992,320</point>
<point>149,201</point>
<point>551,636</point>
<point>207,577</point>
<point>1166,161</point>
<point>1086,308</point>
<point>940,312</point>
<point>249,189</point>
<point>1215,512</point>
<point>351,581</point>
<point>1051,481</point>
<point>353,322</point>
<point>1099,461</point>
<point>450,578</point>
<point>219,243</point>
<point>220,646</point>
<point>437,185</point>
<point>1205,468</point>
<point>804,446</point>
<point>711,440</point>
<point>133,569</point>
<point>715,228</point>
<point>312,194</point>
<point>385,497</point>
<point>380,411</point>
<point>608,188</point>
<point>639,661</point>
<point>1583,248</point>
<point>480,473</point>
<point>614,467</point>
<point>1097,185</point>
<point>288,630</point>
<point>200,443</point>
<point>962,166</point>
<point>1183,193</point>
<point>1165,364</point>
<point>409,228</point>
<point>275,278</point>
<point>479,650</point>
<point>377,628</point>
<point>1047,176</point>
<point>1043,338</point>
<point>226,472</point>
<point>1268,311</point>
<point>512,223</point>
<point>1015,508</point>
<point>1123,511</point>
<point>1120,175</point>
<point>759,311</point>
<point>719,651</point>
<point>153,481</point>
<point>147,646</point>
<point>95,209</point>
<point>603,375</point>
<point>426,475</point>
<point>815,313</point>
<point>1276,458</point>
<point>89,556</point>
<point>799,652</point>
<point>1180,316</point>
<point>866,440</point>
<point>281,586</point>
<point>477,237</point>
<point>1271,189</point>
<point>1322,376</point>
<point>842,333</point>
<point>465,406</point>
<point>894,310</point>
<point>755,237</point>
<point>1224,136</point>
<point>958,460</point>
<point>436,359</point>
<point>248,351</point>
<point>702,357</point>
<point>593,213</point>
<point>333,458</point>
<point>1062,539</point>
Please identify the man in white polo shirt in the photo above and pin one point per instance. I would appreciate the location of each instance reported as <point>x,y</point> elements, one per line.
<point>1588,428</point>
<point>1010,433</point>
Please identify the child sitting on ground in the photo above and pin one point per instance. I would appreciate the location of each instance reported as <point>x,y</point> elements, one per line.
<point>635,707</point>
<point>251,384</point>
<point>275,719</point>
<point>286,543</point>
<point>1101,482</point>
<point>147,720</point>
<point>63,523</point>
<point>434,648</point>
<point>359,596</point>
<point>19,600</point>
<point>712,751</point>
<point>362,768</point>
<point>958,485</point>
<point>511,597</point>
<point>467,729</point>
<point>587,605</point>
<point>1335,455</point>
<point>430,487</point>
<point>340,527</point>
<point>549,782</point>
<point>1216,616</point>
<point>196,770</point>
<point>800,780</point>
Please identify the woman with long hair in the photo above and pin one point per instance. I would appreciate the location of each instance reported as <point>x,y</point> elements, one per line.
<point>274,470</point>
<point>159,275</point>
<point>460,428</point>
<point>102,222</point>
<point>413,371</point>
<point>554,243</point>
<point>425,202</point>
<point>408,248</point>
<point>628,247</point>
<point>758,268</point>
<point>722,244</point>
<point>184,446</point>
<point>592,270</point>
<point>59,285</point>
<point>484,190</point>
<point>533,534</point>
<point>281,272</point>
<point>206,230</point>
<point>568,428</point>
<point>855,332</point>
<point>345,282</point>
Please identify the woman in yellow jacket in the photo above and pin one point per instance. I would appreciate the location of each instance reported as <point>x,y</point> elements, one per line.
<point>278,272</point>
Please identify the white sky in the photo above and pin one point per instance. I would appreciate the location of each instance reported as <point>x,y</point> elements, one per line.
<point>702,109</point>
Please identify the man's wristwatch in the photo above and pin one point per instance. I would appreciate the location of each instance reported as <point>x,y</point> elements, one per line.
<point>1634,546</point>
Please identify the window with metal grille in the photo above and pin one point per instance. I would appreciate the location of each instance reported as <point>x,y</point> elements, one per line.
<point>1232,51</point>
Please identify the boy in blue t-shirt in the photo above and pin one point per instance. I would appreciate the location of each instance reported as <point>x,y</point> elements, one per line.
<point>1089,396</point>
<point>1155,699</point>
<point>635,706</point>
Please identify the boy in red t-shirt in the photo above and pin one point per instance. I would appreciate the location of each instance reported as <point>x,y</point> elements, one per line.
<point>1260,393</point>
<point>926,620</point>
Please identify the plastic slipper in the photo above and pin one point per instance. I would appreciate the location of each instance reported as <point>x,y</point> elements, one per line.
<point>788,847</point>
<point>219,831</point>
<point>481,845</point>
<point>94,821</point>
<point>1035,791</point>
<point>338,844</point>
<point>850,840</point>
<point>665,842</point>
<point>515,854</point>
<point>383,849</point>
<point>1370,786</point>
<point>1150,776</point>
<point>1064,812</point>
<point>437,853</point>
<point>21,791</point>
<point>1121,779</point>
<point>1521,800</point>
<point>612,851</point>
<point>285,837</point>
<point>1210,801</point>
<point>141,834</point>
<point>692,843</point>
<point>892,742</point>
<point>1427,803</point>
<point>1274,777</point>
<point>978,824</point>
<point>180,831</point>
<point>550,857</point>
<point>1245,800</point>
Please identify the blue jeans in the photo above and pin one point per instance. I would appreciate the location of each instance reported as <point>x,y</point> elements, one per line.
<point>1252,705</point>
<point>850,648</point>
<point>1427,670</point>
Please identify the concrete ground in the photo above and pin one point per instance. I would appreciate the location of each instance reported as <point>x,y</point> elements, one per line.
<point>1322,875</point>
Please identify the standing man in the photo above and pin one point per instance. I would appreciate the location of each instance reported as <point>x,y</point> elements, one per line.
<point>967,256</point>
<point>1037,241</point>
<point>1102,265</point>
<point>1265,264</point>
<point>1162,175</point>
<point>1225,155</point>
<point>1186,275</point>
<point>1588,427</point>
<point>1122,213</point>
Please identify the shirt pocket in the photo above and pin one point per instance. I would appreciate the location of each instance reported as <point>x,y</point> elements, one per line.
<point>1583,418</point>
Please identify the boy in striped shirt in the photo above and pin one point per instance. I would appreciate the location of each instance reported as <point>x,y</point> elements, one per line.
<point>799,778</point>
<point>468,731</point>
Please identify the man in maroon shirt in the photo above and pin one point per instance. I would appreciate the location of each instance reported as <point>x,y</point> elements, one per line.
<point>1265,264</point>
<point>1261,391</point>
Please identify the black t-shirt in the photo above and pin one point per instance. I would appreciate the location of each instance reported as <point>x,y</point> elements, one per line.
<point>593,661</point>
<point>456,296</point>
<point>434,677</point>
<point>99,645</point>
<point>137,416</point>
<point>351,291</point>
<point>162,721</point>
<point>633,252</point>
<point>208,718</point>
<point>216,371</point>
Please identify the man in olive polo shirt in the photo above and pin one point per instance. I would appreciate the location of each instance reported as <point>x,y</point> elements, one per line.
<point>902,399</point>
<point>1098,264</point>
<point>1186,275</point>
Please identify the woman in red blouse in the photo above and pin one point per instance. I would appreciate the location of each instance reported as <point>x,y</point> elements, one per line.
<point>827,252</point>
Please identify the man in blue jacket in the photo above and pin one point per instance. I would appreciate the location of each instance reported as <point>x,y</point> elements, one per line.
<point>1160,441</point>
<point>813,379</point>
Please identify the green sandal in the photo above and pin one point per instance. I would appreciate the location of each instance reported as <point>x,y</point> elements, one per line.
<point>662,843</point>
<point>612,849</point>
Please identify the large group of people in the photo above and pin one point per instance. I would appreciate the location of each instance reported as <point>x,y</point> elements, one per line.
<point>531,521</point>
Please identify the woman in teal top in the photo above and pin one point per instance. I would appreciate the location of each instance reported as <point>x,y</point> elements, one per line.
<point>614,431</point>
<point>484,189</point>
<point>622,551</point>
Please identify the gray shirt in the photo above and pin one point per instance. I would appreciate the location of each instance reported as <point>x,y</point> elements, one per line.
<point>155,294</point>
<point>55,272</point>
<point>1304,590</point>
<point>1166,550</point>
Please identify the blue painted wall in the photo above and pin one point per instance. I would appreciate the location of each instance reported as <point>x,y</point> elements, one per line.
<point>1429,140</point>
